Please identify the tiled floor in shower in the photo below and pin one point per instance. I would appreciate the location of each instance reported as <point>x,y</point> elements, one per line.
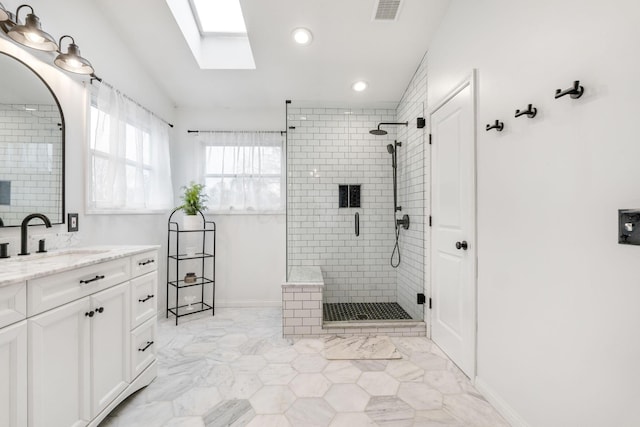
<point>341,312</point>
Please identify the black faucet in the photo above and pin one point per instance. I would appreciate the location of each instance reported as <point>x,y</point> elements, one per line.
<point>23,230</point>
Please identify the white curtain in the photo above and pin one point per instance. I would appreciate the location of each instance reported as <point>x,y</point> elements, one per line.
<point>243,171</point>
<point>129,155</point>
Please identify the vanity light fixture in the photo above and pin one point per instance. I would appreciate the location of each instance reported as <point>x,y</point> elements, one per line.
<point>5,15</point>
<point>72,61</point>
<point>359,86</point>
<point>30,33</point>
<point>302,36</point>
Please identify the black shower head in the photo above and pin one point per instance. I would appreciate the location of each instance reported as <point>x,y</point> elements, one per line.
<point>391,149</point>
<point>379,131</point>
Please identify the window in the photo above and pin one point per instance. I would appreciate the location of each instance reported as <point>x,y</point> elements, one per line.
<point>219,16</point>
<point>243,171</point>
<point>128,156</point>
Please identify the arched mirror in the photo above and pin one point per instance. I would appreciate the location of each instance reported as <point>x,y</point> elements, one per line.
<point>31,145</point>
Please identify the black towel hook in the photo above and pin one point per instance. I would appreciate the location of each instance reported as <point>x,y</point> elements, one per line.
<point>530,112</point>
<point>575,92</point>
<point>498,125</point>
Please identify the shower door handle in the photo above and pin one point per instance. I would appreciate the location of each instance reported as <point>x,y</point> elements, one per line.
<point>357,223</point>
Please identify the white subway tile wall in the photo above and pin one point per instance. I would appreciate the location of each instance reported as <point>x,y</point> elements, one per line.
<point>329,147</point>
<point>31,160</point>
<point>333,146</point>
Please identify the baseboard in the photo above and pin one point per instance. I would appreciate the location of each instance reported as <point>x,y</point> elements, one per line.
<point>247,303</point>
<point>507,412</point>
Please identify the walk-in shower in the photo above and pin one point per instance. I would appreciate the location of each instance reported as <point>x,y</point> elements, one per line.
<point>341,197</point>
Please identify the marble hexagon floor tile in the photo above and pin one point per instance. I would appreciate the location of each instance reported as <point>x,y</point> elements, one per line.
<point>235,369</point>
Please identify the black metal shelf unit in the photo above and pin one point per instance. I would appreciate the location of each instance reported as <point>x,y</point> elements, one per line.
<point>207,266</point>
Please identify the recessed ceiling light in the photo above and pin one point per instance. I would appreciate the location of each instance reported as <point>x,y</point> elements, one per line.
<point>302,36</point>
<point>359,86</point>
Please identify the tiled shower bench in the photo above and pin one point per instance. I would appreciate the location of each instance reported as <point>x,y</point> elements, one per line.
<point>302,312</point>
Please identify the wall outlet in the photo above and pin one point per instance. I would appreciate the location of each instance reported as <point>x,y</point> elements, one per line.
<point>72,222</point>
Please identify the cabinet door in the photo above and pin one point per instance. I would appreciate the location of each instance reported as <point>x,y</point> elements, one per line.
<point>58,366</point>
<point>110,345</point>
<point>13,375</point>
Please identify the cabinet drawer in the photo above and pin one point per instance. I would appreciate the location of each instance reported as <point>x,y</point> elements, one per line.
<point>52,291</point>
<point>144,263</point>
<point>143,347</point>
<point>144,297</point>
<point>13,303</point>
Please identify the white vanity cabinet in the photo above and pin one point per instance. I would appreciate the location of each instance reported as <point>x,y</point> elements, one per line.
<point>78,341</point>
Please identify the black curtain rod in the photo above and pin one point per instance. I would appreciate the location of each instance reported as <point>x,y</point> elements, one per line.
<point>94,77</point>
<point>282,132</point>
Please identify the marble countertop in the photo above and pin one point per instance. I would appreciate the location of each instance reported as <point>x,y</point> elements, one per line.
<point>305,276</point>
<point>20,268</point>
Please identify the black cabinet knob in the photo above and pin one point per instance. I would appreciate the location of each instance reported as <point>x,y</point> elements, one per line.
<point>89,314</point>
<point>462,245</point>
<point>100,309</point>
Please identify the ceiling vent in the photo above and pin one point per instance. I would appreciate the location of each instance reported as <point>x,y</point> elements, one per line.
<point>386,10</point>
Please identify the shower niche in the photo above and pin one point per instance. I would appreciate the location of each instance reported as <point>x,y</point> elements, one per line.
<point>349,196</point>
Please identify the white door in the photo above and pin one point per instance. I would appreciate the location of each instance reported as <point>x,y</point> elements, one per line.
<point>58,366</point>
<point>110,345</point>
<point>13,375</point>
<point>453,259</point>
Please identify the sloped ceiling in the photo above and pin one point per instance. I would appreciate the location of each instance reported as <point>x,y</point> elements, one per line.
<point>348,45</point>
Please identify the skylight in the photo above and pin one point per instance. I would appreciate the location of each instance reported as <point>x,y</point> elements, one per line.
<point>219,16</point>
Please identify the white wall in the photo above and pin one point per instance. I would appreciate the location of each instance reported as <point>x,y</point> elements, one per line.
<point>100,43</point>
<point>250,249</point>
<point>558,297</point>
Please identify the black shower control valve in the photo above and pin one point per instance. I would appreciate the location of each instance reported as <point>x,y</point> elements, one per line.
<point>462,245</point>
<point>404,222</point>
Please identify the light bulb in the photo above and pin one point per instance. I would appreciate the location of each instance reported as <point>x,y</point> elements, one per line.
<point>302,36</point>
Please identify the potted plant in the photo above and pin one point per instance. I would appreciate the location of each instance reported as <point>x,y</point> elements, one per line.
<point>194,200</point>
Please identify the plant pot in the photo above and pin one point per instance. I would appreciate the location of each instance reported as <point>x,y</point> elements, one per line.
<point>191,222</point>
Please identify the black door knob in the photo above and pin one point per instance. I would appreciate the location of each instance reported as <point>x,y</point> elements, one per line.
<point>462,245</point>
